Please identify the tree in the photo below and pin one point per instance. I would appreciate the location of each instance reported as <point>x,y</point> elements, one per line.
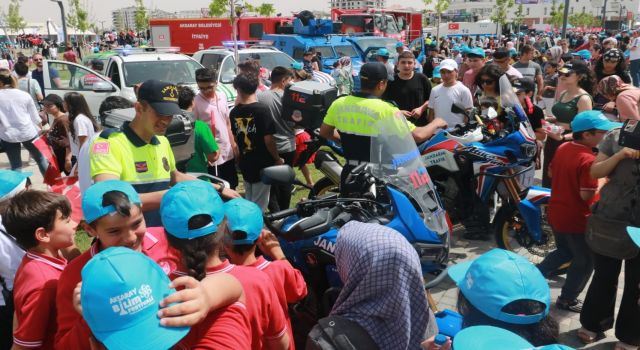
<point>518,17</point>
<point>583,20</point>
<point>14,21</point>
<point>556,15</point>
<point>440,7</point>
<point>141,21</point>
<point>217,8</point>
<point>266,9</point>
<point>501,11</point>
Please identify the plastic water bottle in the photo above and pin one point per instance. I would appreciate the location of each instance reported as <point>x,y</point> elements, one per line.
<point>440,340</point>
<point>552,128</point>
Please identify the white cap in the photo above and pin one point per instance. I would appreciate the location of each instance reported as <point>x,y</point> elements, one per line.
<point>449,65</point>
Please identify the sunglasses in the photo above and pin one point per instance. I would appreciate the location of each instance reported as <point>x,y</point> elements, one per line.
<point>567,74</point>
<point>611,59</point>
<point>207,88</point>
<point>486,81</point>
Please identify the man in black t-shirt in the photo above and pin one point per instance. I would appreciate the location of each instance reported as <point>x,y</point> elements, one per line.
<point>253,129</point>
<point>431,62</point>
<point>409,90</point>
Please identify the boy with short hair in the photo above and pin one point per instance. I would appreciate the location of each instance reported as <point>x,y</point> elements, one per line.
<point>41,223</point>
<point>572,192</point>
<point>244,220</point>
<point>549,90</point>
<point>205,145</point>
<point>253,128</point>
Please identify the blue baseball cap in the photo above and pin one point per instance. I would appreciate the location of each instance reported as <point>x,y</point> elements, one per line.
<point>297,65</point>
<point>399,44</point>
<point>383,52</point>
<point>476,51</point>
<point>498,278</point>
<point>593,119</point>
<point>120,296</point>
<point>436,72</point>
<point>488,338</point>
<point>634,233</point>
<point>584,54</point>
<point>12,182</point>
<point>246,216</point>
<point>186,200</point>
<point>92,207</point>
<point>552,347</point>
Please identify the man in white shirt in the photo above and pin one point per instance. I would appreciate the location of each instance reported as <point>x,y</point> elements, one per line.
<point>634,58</point>
<point>450,92</point>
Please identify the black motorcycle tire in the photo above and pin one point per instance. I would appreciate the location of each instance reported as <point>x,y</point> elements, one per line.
<point>502,224</point>
<point>323,186</point>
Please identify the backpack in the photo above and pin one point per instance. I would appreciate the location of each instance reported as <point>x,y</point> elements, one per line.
<point>338,333</point>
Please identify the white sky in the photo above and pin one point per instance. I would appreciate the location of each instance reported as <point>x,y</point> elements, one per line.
<point>100,10</point>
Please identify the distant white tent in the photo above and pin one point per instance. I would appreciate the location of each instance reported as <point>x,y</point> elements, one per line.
<point>49,29</point>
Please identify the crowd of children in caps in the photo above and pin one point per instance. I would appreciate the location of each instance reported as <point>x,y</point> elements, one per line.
<point>196,282</point>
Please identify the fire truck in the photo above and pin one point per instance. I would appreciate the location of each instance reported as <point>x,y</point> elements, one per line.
<point>191,35</point>
<point>402,25</point>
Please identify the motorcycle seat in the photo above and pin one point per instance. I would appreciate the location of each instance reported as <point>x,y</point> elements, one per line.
<point>468,137</point>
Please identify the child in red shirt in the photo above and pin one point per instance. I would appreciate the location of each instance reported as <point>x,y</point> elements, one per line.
<point>113,214</point>
<point>193,213</point>
<point>244,219</point>
<point>572,191</point>
<point>41,223</point>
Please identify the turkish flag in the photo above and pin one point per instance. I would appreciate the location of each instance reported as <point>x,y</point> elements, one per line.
<point>68,186</point>
<point>52,172</point>
<point>454,26</point>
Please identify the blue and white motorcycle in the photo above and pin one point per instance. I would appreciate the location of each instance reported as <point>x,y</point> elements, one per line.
<point>397,193</point>
<point>484,171</point>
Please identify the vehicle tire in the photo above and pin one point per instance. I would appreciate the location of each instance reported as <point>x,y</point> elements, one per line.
<point>511,234</point>
<point>323,186</point>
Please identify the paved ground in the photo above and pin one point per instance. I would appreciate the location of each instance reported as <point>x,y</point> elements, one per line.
<point>446,293</point>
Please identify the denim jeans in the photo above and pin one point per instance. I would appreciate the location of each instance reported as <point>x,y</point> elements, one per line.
<point>15,160</point>
<point>574,248</point>
<point>634,67</point>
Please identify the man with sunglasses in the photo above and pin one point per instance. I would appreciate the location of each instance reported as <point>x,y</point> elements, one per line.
<point>38,73</point>
<point>211,107</point>
<point>502,57</point>
<point>593,39</point>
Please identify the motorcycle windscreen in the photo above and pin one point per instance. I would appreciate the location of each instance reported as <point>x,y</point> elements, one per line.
<point>512,106</point>
<point>395,159</point>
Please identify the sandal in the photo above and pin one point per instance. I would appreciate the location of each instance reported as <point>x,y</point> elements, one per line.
<point>573,305</point>
<point>586,336</point>
<point>624,346</point>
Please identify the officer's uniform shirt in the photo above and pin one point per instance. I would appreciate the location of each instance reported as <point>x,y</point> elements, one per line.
<point>147,166</point>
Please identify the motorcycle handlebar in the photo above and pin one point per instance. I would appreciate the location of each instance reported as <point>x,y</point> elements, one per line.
<point>281,214</point>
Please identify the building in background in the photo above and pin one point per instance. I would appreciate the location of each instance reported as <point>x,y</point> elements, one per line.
<point>125,18</point>
<point>357,4</point>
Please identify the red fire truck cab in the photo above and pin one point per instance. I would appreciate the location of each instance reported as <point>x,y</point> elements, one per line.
<point>191,35</point>
<point>402,25</point>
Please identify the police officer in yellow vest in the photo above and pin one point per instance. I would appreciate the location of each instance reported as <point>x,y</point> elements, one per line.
<point>139,153</point>
<point>349,120</point>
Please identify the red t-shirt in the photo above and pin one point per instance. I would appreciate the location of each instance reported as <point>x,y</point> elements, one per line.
<point>289,285</point>
<point>570,173</point>
<point>226,328</point>
<point>34,294</point>
<point>70,56</point>
<point>73,332</point>
<point>266,317</point>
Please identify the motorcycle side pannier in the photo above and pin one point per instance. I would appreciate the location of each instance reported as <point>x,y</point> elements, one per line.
<point>306,103</point>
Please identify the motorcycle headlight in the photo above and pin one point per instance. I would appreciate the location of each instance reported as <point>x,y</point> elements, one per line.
<point>528,150</point>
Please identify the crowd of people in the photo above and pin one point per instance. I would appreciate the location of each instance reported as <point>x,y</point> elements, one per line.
<point>142,210</point>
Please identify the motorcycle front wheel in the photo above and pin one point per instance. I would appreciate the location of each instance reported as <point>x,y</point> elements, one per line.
<point>511,233</point>
<point>323,186</point>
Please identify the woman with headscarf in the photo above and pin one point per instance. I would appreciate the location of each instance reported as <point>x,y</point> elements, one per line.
<point>383,286</point>
<point>344,80</point>
<point>623,97</point>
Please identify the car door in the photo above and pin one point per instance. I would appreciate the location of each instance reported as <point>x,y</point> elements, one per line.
<point>61,77</point>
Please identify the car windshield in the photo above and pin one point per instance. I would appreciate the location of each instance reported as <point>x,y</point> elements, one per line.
<point>392,28</point>
<point>270,60</point>
<point>324,51</point>
<point>366,43</point>
<point>346,50</point>
<point>177,72</point>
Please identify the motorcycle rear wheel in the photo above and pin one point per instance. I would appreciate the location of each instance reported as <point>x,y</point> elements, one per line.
<point>511,234</point>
